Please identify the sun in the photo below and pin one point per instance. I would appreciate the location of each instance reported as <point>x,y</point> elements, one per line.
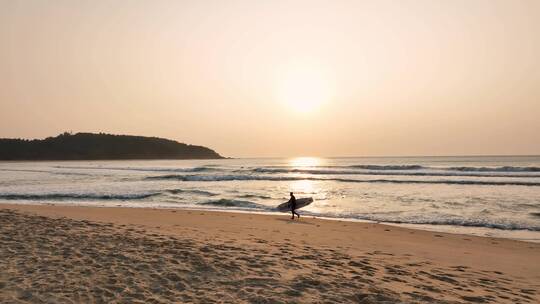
<point>303,89</point>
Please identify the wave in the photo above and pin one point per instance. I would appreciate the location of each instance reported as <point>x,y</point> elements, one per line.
<point>219,178</point>
<point>365,167</point>
<point>462,169</point>
<point>105,197</point>
<point>496,169</point>
<point>388,167</point>
<point>45,171</point>
<point>471,222</point>
<point>234,203</point>
<point>351,172</point>
<point>76,196</point>
<point>418,170</point>
<point>192,191</point>
<point>186,170</point>
<point>255,196</point>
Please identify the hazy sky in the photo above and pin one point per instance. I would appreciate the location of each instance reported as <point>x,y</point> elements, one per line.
<point>278,78</point>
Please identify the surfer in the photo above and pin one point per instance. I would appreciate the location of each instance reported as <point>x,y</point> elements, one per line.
<point>292,202</point>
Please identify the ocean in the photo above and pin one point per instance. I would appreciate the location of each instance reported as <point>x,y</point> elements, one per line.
<point>496,196</point>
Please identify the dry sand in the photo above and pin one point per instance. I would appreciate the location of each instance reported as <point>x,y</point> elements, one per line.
<point>64,254</point>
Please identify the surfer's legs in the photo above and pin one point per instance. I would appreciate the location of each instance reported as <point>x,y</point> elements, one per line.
<point>293,213</point>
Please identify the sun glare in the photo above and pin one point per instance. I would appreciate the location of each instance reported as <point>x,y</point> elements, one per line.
<point>305,162</point>
<point>303,90</point>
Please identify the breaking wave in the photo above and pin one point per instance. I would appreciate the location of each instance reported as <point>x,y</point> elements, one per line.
<point>388,167</point>
<point>191,191</point>
<point>255,196</point>
<point>422,173</point>
<point>186,170</point>
<point>464,222</point>
<point>496,169</point>
<point>93,196</point>
<point>219,178</point>
<point>464,169</point>
<point>234,203</point>
<point>76,196</point>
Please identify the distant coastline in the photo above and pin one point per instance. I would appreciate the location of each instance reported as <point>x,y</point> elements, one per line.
<point>101,146</point>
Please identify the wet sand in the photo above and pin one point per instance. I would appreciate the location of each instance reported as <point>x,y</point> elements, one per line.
<point>64,254</point>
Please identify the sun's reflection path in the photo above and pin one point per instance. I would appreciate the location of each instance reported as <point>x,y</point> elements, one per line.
<point>302,162</point>
<point>305,188</point>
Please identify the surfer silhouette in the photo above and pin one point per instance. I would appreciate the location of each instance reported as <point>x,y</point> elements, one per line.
<point>292,202</point>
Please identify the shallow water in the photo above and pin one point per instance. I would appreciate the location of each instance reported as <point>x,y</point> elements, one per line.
<point>495,196</point>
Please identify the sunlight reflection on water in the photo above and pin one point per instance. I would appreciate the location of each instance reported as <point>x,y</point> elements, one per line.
<point>302,162</point>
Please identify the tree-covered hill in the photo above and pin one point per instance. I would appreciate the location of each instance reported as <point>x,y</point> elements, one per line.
<point>90,146</point>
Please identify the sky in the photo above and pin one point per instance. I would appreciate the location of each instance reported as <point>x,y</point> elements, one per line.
<point>278,78</point>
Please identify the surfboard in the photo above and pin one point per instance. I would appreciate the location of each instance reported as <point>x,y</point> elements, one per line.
<point>300,203</point>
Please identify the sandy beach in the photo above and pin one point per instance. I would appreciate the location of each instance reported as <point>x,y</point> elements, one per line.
<point>65,254</point>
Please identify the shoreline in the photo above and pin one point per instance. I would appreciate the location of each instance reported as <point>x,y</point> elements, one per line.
<point>522,235</point>
<point>245,257</point>
<point>95,214</point>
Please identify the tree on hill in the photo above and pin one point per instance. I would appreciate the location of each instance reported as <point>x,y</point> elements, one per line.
<point>90,146</point>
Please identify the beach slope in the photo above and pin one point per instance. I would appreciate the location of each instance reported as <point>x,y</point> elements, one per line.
<point>106,255</point>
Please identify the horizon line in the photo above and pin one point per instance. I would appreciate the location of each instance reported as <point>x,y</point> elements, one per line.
<point>390,156</point>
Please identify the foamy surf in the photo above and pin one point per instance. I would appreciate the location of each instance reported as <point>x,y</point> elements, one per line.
<point>499,195</point>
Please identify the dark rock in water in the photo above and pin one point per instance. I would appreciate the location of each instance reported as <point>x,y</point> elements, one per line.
<point>89,146</point>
